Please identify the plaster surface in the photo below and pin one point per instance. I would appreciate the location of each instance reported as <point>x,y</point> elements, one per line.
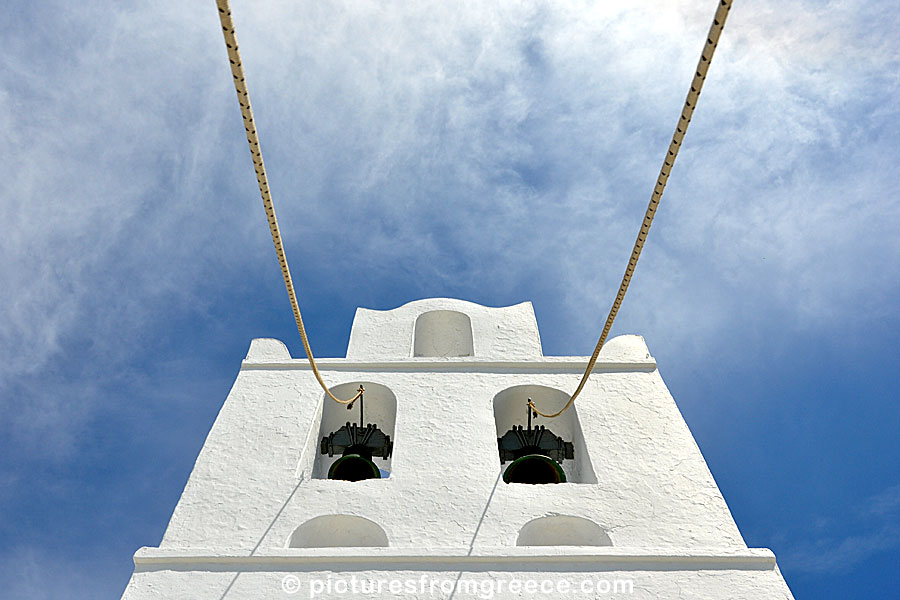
<point>653,509</point>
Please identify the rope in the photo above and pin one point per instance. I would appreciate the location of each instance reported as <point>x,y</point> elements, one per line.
<point>240,86</point>
<point>687,112</point>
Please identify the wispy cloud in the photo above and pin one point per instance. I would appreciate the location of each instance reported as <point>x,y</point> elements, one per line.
<point>884,505</point>
<point>41,574</point>
<point>114,165</point>
<point>877,523</point>
<point>484,150</point>
<point>495,151</point>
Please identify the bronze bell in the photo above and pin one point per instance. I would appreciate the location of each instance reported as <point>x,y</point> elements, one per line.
<point>356,445</point>
<point>535,454</point>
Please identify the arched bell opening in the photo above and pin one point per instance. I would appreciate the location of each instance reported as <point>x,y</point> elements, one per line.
<point>355,441</point>
<point>536,450</point>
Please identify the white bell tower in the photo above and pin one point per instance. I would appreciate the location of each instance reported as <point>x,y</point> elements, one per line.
<point>636,512</point>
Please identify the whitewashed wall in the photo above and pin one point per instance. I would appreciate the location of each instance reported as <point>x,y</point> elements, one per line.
<point>444,510</point>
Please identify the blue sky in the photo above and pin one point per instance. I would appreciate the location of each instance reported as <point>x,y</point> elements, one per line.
<point>495,152</point>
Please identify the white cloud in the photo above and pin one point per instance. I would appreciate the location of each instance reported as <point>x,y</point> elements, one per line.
<point>482,146</point>
<point>878,529</point>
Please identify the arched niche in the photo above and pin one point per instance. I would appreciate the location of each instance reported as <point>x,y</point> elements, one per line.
<point>443,333</point>
<point>510,408</point>
<point>338,531</point>
<point>379,408</point>
<point>562,530</point>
